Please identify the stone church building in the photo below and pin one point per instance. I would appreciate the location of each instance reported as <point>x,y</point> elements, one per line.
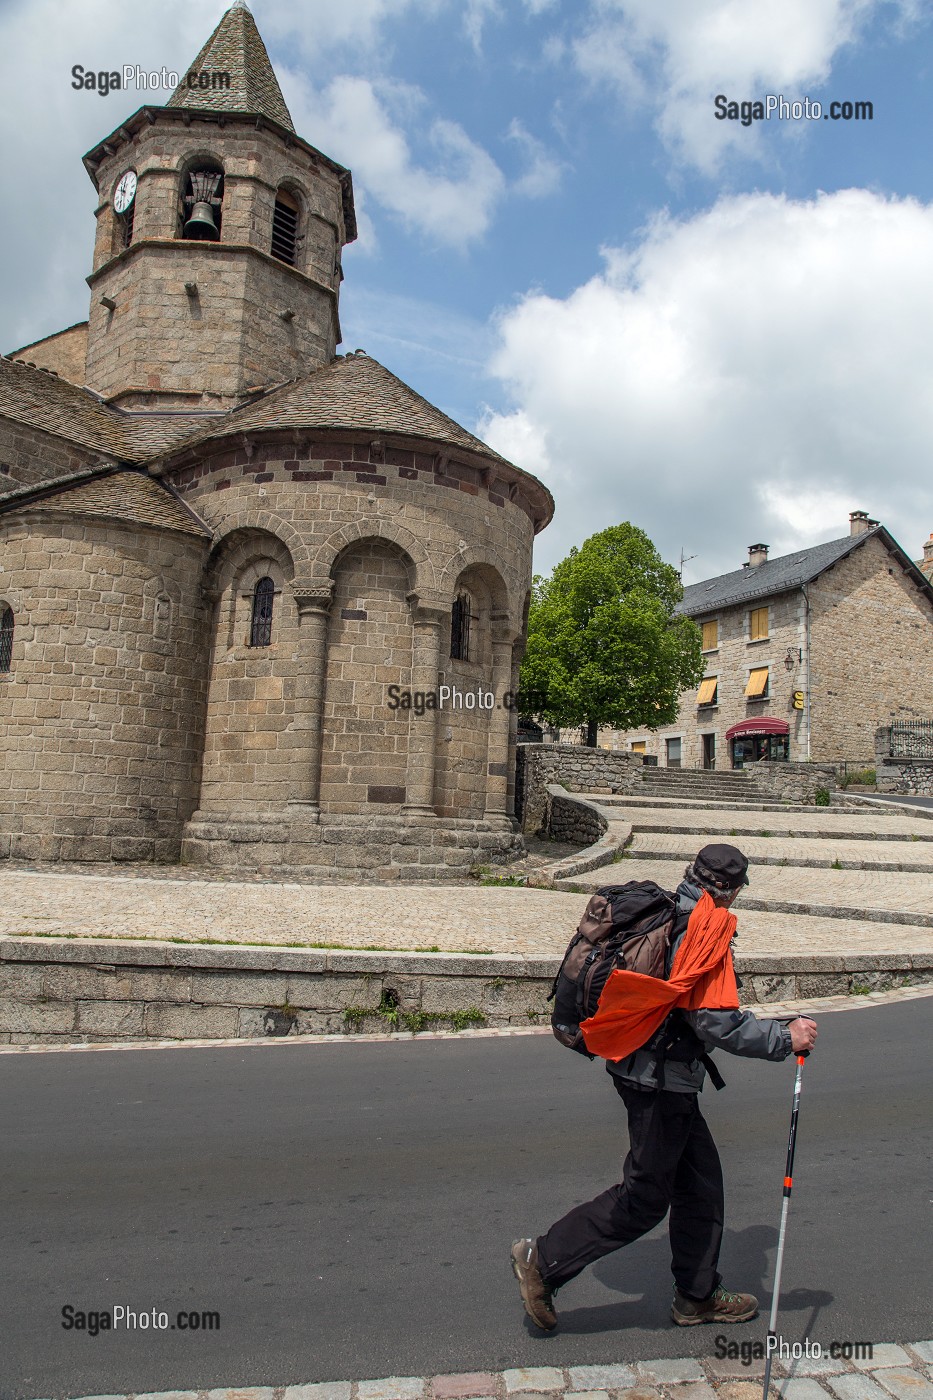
<point>222,544</point>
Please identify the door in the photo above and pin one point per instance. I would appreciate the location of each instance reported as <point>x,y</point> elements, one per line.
<point>709,750</point>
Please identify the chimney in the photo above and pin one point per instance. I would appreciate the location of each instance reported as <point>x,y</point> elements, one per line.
<point>926,563</point>
<point>757,554</point>
<point>859,522</point>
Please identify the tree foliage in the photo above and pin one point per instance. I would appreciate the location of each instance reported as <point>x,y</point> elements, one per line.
<point>604,644</point>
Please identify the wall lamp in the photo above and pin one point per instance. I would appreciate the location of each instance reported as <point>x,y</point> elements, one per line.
<point>793,658</point>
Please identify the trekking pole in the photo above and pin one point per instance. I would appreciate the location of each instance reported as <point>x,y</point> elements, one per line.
<point>771,1344</point>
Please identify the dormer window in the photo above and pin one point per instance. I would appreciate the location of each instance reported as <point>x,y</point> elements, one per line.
<point>285,219</point>
<point>202,202</point>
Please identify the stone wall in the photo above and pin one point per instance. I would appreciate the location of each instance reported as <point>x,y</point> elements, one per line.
<point>872,645</point>
<point>793,782</point>
<point>576,768</point>
<point>64,353</point>
<point>572,819</point>
<point>913,776</point>
<point>102,711</point>
<point>63,992</point>
<point>29,457</point>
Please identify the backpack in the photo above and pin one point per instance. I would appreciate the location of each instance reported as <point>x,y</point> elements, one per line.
<point>624,926</point>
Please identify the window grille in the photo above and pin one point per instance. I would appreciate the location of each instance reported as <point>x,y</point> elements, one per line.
<point>260,632</point>
<point>285,228</point>
<point>460,628</point>
<point>126,225</point>
<point>6,638</point>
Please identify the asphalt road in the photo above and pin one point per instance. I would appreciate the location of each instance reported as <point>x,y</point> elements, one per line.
<point>348,1208</point>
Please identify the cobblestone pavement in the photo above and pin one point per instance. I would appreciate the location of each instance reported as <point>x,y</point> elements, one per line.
<point>893,1372</point>
<point>415,917</point>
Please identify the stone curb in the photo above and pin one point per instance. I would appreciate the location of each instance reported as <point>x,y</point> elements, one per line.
<point>894,1371</point>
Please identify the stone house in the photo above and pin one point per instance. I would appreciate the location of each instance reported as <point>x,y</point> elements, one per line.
<point>224,546</point>
<point>806,656</point>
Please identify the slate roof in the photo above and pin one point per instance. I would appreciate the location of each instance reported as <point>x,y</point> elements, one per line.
<point>126,494</point>
<point>789,572</point>
<point>353,392</point>
<point>235,47</point>
<point>43,400</point>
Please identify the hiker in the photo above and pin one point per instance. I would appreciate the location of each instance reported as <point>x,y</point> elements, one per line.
<point>672,1162</point>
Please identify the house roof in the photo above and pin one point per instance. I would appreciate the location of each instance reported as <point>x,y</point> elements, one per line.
<point>353,392</point>
<point>125,493</point>
<point>783,575</point>
<point>43,400</point>
<point>235,47</point>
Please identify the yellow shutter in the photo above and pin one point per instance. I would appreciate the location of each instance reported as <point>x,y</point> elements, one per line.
<point>758,628</point>
<point>638,746</point>
<point>757,683</point>
<point>706,695</point>
<point>711,635</point>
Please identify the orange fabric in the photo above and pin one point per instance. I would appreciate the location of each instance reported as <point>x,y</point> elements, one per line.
<point>632,1005</point>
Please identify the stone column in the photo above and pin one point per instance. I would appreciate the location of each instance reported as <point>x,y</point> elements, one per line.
<point>431,629</point>
<point>500,724</point>
<point>313,598</point>
<point>518,651</point>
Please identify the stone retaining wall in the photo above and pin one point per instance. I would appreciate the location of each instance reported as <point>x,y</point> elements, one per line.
<point>83,991</point>
<point>576,768</point>
<point>793,782</point>
<point>913,776</point>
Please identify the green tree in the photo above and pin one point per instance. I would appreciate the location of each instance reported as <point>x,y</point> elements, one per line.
<point>604,644</point>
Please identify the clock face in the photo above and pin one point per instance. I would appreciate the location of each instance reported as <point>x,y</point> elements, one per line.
<point>125,192</point>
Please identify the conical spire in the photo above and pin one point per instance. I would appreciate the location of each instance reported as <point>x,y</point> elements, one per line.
<point>235,47</point>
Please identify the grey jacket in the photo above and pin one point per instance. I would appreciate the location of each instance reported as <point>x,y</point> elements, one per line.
<point>739,1032</point>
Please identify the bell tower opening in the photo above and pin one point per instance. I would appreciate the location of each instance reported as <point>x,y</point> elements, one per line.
<point>200,211</point>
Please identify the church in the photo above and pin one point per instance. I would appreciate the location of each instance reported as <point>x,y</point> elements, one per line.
<point>226,549</point>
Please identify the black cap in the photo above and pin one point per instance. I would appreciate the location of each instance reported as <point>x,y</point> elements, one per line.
<point>725,867</point>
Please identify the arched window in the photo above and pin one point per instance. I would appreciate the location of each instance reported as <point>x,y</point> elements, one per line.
<point>260,632</point>
<point>460,628</point>
<point>202,197</point>
<point>285,218</point>
<point>6,637</point>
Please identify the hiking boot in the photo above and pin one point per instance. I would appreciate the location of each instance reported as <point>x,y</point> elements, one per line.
<point>536,1295</point>
<point>721,1306</point>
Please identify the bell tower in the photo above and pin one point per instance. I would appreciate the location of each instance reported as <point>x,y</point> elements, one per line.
<point>219,236</point>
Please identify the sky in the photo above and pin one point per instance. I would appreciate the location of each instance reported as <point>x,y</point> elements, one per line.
<point>720,331</point>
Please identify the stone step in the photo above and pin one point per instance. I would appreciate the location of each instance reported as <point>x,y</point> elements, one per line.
<point>843,895</point>
<point>775,830</point>
<point>814,853</point>
<point>687,805</point>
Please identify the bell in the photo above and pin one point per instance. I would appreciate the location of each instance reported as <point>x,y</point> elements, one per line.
<point>201,222</point>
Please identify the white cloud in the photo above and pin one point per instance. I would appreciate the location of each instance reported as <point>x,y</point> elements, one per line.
<point>364,125</point>
<point>678,55</point>
<point>543,170</point>
<point>754,372</point>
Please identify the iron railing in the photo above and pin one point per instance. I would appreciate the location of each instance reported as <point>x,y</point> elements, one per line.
<point>912,738</point>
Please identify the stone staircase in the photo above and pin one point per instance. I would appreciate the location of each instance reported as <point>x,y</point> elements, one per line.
<point>701,784</point>
<point>820,877</point>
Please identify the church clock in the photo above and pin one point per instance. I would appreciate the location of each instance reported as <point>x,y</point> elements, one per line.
<point>125,192</point>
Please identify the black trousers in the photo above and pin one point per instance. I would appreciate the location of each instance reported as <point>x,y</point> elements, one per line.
<point>672,1165</point>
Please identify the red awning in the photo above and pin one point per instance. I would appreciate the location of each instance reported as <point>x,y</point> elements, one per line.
<point>749,728</point>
